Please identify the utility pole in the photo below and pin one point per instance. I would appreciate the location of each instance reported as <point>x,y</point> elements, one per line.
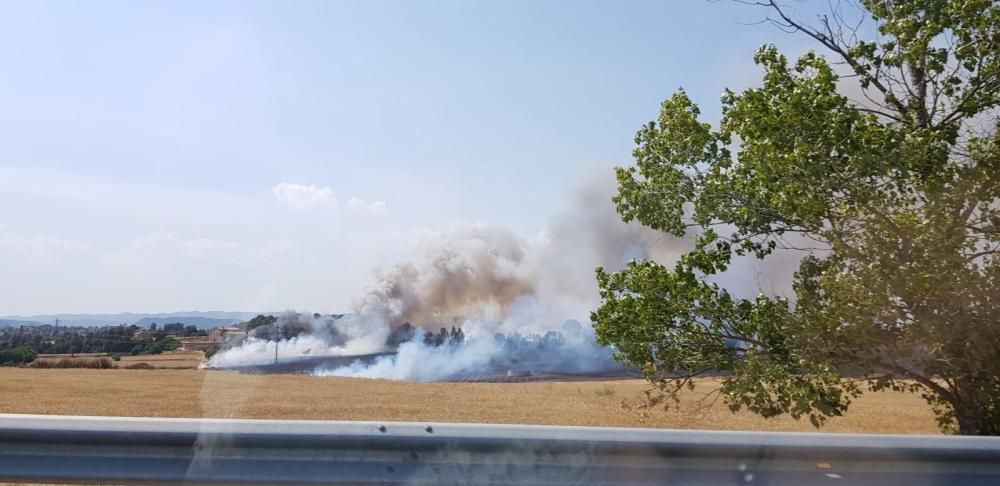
<point>277,338</point>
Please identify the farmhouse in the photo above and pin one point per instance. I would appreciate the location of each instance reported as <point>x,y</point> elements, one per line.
<point>222,334</point>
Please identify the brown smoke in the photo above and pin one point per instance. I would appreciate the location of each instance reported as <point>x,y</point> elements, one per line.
<point>484,271</point>
<point>459,273</point>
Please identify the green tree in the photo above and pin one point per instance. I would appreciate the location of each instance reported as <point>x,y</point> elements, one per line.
<point>169,344</point>
<point>891,197</point>
<point>173,328</point>
<point>260,320</point>
<point>16,355</point>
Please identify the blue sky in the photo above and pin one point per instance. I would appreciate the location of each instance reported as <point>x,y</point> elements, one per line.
<point>160,156</point>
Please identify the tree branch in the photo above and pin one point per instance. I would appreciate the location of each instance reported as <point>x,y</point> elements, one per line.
<point>833,46</point>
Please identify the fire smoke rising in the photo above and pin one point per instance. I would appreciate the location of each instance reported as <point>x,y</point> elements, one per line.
<point>490,282</point>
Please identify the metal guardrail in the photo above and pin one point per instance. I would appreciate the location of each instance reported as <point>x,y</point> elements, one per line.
<point>107,450</point>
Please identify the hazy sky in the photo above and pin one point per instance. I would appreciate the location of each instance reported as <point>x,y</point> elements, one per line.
<point>164,156</point>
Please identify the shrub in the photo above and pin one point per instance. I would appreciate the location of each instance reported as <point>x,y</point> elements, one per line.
<point>103,363</point>
<point>169,344</point>
<point>139,366</point>
<point>17,355</point>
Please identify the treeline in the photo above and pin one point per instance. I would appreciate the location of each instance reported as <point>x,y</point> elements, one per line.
<point>516,342</point>
<point>443,337</point>
<point>114,340</point>
<point>272,328</point>
<point>269,327</point>
<point>17,355</point>
<point>407,332</point>
<point>178,329</point>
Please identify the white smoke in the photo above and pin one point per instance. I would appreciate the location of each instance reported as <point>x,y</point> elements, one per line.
<point>262,351</point>
<point>574,351</point>
<point>416,361</point>
<point>491,280</point>
<point>316,336</point>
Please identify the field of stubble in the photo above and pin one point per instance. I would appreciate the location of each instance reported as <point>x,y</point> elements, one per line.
<point>199,393</point>
<point>179,359</point>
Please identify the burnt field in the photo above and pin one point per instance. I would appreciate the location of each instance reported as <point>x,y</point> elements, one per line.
<point>497,371</point>
<point>305,364</point>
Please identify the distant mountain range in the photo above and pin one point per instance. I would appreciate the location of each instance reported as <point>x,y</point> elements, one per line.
<point>199,322</point>
<point>201,319</point>
<point>16,323</point>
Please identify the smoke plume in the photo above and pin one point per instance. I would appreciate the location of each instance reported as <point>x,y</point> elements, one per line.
<point>490,282</point>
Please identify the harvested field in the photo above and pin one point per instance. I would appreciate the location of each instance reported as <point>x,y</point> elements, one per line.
<point>199,393</point>
<point>179,359</point>
<point>198,343</point>
<point>73,356</point>
<point>80,359</point>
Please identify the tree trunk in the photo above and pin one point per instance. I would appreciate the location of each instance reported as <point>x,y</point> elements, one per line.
<point>976,413</point>
<point>972,423</point>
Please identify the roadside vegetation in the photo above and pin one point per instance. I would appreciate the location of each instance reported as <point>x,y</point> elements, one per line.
<point>874,160</point>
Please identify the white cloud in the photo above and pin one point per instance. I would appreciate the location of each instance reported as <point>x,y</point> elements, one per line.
<point>74,242</point>
<point>359,205</point>
<point>301,196</point>
<point>38,249</point>
<point>170,271</point>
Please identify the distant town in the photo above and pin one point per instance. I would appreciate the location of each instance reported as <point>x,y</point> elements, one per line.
<point>21,342</point>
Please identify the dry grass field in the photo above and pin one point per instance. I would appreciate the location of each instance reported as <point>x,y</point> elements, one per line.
<point>179,359</point>
<point>199,393</point>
